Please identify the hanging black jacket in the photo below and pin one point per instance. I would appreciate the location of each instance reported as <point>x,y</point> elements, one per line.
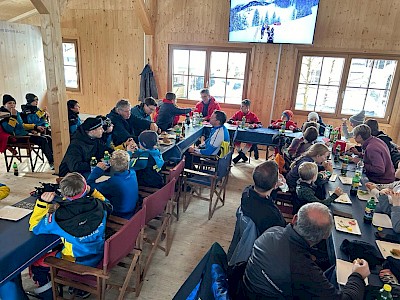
<point>79,153</point>
<point>148,87</point>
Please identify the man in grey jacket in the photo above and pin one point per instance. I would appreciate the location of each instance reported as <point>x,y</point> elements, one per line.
<point>281,265</point>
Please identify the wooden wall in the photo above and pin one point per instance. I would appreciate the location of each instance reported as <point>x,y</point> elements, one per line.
<point>111,43</point>
<point>342,25</point>
<point>21,61</point>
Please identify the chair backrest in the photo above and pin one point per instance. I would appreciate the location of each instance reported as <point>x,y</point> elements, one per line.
<point>123,241</point>
<point>156,202</point>
<point>176,171</point>
<point>224,165</point>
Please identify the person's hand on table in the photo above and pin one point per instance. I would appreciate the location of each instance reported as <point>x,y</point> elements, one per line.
<point>191,150</point>
<point>327,166</point>
<point>102,166</point>
<point>41,128</point>
<point>252,126</point>
<point>48,196</point>
<point>154,127</point>
<point>131,145</point>
<point>370,185</point>
<point>355,151</point>
<point>386,191</point>
<point>395,198</point>
<point>355,160</point>
<point>338,191</point>
<point>361,267</point>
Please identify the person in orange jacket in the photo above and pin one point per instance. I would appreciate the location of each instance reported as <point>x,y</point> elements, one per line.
<point>287,116</point>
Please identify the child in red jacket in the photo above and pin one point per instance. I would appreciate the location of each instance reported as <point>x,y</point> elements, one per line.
<point>254,122</point>
<point>287,117</point>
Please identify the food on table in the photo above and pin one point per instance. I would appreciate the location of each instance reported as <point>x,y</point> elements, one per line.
<point>395,252</point>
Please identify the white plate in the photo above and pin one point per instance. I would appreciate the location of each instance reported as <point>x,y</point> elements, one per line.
<point>164,143</point>
<point>342,224</point>
<point>346,180</point>
<point>344,198</point>
<point>382,220</point>
<point>343,271</point>
<point>333,177</point>
<point>363,196</point>
<point>13,213</point>
<point>386,247</point>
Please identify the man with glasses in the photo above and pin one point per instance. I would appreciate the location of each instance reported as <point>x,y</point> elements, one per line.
<point>125,124</point>
<point>141,114</point>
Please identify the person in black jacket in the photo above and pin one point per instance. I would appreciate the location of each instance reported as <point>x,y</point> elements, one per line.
<point>168,111</point>
<point>85,144</point>
<point>125,123</point>
<point>256,200</point>
<point>281,265</point>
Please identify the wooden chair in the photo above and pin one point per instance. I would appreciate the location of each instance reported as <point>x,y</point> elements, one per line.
<point>15,145</point>
<point>126,242</point>
<point>174,172</point>
<point>284,202</point>
<point>159,208</point>
<point>177,174</point>
<point>213,173</point>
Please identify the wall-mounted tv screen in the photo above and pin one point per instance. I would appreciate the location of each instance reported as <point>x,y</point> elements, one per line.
<point>273,21</point>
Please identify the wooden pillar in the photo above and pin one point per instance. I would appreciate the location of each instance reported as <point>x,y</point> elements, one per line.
<point>50,15</point>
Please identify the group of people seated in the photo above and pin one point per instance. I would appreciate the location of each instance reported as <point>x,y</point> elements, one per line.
<point>279,264</point>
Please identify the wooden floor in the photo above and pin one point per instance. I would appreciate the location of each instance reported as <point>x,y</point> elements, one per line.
<point>193,234</point>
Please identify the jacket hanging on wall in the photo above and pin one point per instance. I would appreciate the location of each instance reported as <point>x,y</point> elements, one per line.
<point>148,87</point>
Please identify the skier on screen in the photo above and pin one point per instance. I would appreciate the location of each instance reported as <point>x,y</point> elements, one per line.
<point>270,32</point>
<point>263,27</point>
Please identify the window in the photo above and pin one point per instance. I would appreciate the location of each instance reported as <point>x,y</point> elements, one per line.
<point>341,85</point>
<point>71,65</point>
<point>223,71</point>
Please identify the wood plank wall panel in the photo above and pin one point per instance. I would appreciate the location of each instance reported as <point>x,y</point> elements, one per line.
<point>358,25</point>
<point>21,62</point>
<point>111,49</point>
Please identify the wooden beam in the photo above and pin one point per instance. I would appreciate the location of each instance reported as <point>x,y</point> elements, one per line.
<point>144,17</point>
<point>54,66</point>
<point>40,6</point>
<point>24,15</point>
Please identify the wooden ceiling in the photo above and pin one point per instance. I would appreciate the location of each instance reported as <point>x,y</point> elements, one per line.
<point>10,9</point>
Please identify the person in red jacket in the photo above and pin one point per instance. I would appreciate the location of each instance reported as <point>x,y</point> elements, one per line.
<point>254,122</point>
<point>207,105</point>
<point>287,117</point>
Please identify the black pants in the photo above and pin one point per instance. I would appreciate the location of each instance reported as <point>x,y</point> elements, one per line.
<point>45,143</point>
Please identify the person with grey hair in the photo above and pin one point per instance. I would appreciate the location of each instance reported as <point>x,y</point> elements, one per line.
<point>378,165</point>
<point>207,105</point>
<point>281,264</point>
<point>125,123</point>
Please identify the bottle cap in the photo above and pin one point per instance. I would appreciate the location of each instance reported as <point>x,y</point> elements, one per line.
<point>387,287</point>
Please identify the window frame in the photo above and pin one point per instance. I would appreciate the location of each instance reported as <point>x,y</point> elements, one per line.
<point>208,50</point>
<point>343,81</point>
<point>74,41</point>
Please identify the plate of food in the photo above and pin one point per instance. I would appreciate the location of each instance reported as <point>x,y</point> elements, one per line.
<point>344,198</point>
<point>347,225</point>
<point>363,195</point>
<point>346,180</point>
<point>166,141</point>
<point>388,249</point>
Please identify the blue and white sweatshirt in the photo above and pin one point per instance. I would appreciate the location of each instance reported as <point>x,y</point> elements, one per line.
<point>218,135</point>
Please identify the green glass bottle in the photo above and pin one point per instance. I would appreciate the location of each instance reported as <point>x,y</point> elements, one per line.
<point>385,293</point>
<point>355,183</point>
<point>106,158</point>
<point>369,210</point>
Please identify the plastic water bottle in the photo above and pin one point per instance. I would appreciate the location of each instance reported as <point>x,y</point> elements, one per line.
<point>360,166</point>
<point>15,169</point>
<point>327,132</point>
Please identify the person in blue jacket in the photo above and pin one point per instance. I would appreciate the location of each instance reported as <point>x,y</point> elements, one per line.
<point>148,161</point>
<point>34,115</point>
<point>14,125</point>
<point>121,189</point>
<point>74,120</point>
<point>79,219</point>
